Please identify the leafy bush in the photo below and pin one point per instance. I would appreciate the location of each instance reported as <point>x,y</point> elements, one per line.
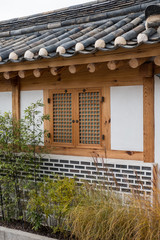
<point>18,158</point>
<point>54,199</point>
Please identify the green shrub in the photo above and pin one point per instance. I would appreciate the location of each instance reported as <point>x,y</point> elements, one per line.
<point>19,159</point>
<point>54,199</point>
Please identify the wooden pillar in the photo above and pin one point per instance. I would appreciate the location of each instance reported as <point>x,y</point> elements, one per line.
<point>16,97</point>
<point>148,116</point>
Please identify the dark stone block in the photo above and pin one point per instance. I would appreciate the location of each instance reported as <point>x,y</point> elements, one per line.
<point>134,167</point>
<point>64,170</point>
<point>85,163</point>
<point>48,164</point>
<point>64,161</point>
<point>54,169</point>
<point>79,167</point>
<point>69,166</point>
<point>58,165</point>
<point>54,160</point>
<point>91,168</point>
<point>74,162</point>
<point>146,168</point>
<point>121,166</point>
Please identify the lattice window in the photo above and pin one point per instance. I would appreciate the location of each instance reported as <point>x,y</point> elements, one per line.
<point>62,117</point>
<point>89,118</point>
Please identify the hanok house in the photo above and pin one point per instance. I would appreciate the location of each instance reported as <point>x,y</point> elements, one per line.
<point>96,67</point>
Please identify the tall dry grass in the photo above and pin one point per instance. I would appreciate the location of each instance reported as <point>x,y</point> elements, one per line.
<point>103,215</point>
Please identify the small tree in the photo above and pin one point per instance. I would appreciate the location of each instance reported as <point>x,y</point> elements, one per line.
<point>19,160</point>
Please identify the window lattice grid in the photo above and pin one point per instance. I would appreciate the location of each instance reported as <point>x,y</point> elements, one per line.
<point>89,118</point>
<point>62,117</point>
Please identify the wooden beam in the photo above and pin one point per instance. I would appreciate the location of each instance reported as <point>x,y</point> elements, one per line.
<point>136,62</point>
<point>91,67</point>
<point>16,98</point>
<point>9,75</point>
<point>72,69</point>
<point>113,65</point>
<point>125,155</point>
<point>37,72</point>
<point>24,74</point>
<point>142,51</point>
<point>148,119</point>
<point>56,70</point>
<point>157,60</point>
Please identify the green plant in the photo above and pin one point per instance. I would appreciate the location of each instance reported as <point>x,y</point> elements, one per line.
<point>55,197</point>
<point>19,160</point>
<point>103,215</point>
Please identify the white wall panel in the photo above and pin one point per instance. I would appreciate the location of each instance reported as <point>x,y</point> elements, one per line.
<point>127,118</point>
<point>5,102</point>
<point>29,97</point>
<point>157,119</point>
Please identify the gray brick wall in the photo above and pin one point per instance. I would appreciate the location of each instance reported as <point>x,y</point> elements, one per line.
<point>119,175</point>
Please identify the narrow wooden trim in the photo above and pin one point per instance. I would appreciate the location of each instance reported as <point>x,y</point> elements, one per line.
<point>16,98</point>
<point>106,119</point>
<point>125,155</point>
<point>46,110</point>
<point>148,119</point>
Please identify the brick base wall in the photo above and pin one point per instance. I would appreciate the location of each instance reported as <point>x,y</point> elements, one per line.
<point>120,175</point>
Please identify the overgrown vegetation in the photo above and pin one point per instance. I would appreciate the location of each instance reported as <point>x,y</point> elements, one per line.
<point>55,198</point>
<point>89,212</point>
<point>19,160</point>
<point>103,215</point>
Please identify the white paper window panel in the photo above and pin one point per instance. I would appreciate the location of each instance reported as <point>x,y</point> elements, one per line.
<point>127,118</point>
<point>5,102</point>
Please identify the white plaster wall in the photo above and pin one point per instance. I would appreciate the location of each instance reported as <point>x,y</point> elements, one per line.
<point>29,97</point>
<point>127,118</point>
<point>157,118</point>
<point>5,102</point>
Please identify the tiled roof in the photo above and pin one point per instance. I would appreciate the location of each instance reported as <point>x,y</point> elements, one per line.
<point>102,25</point>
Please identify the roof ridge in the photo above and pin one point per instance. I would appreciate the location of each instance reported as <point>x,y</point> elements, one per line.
<point>20,26</point>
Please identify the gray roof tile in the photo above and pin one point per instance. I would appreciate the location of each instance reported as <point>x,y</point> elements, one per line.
<point>102,25</point>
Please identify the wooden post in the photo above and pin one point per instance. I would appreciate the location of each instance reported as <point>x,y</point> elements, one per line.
<point>16,98</point>
<point>148,117</point>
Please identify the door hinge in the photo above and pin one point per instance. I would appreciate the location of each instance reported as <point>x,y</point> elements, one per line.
<point>102,99</point>
<point>49,100</point>
<point>103,137</point>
